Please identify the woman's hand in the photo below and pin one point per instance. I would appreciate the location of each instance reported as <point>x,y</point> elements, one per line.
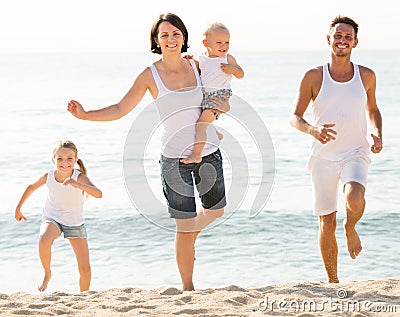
<point>221,104</point>
<point>76,109</point>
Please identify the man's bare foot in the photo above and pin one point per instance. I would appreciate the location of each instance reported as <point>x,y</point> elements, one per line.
<point>46,279</point>
<point>353,242</point>
<point>220,135</point>
<point>192,158</point>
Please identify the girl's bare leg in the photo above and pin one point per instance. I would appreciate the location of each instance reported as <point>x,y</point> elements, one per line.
<point>81,250</point>
<point>48,233</point>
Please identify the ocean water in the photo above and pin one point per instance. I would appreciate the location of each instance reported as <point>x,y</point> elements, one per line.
<point>268,234</point>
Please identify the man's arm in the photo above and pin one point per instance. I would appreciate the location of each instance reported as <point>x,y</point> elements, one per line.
<point>374,115</point>
<point>311,80</point>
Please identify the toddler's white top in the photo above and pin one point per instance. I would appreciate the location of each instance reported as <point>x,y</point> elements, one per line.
<point>212,77</point>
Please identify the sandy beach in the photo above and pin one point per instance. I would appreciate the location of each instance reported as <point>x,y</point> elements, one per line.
<point>360,298</point>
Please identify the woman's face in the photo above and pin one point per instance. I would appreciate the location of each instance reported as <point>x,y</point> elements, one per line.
<point>169,38</point>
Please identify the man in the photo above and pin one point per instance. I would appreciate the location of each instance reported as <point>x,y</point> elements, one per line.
<point>341,94</point>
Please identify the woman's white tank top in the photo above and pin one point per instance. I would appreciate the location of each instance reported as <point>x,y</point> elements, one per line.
<point>179,111</point>
<point>64,204</point>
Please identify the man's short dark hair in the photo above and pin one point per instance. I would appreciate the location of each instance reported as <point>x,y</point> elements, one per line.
<point>346,20</point>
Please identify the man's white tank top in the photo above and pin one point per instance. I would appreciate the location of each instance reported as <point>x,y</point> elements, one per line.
<point>342,103</point>
<point>179,112</point>
<point>64,204</point>
<point>212,77</point>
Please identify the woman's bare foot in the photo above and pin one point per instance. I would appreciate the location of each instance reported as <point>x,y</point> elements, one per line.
<point>46,279</point>
<point>188,288</point>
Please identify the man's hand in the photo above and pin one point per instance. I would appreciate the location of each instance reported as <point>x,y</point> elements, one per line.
<point>377,146</point>
<point>324,133</point>
<point>19,216</point>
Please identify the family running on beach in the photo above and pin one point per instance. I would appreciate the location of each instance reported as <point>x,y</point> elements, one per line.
<point>190,94</point>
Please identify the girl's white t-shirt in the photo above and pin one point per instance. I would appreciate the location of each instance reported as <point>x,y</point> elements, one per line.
<point>64,203</point>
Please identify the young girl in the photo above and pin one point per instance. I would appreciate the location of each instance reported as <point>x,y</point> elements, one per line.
<point>63,212</point>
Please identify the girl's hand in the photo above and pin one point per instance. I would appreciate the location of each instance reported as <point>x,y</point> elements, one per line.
<point>76,109</point>
<point>70,181</point>
<point>19,216</point>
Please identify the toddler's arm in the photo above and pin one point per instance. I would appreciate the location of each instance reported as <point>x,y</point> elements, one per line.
<point>232,67</point>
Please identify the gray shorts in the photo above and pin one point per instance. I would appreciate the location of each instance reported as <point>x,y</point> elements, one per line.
<point>178,187</point>
<point>69,231</point>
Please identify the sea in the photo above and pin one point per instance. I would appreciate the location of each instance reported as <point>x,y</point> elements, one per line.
<point>268,234</point>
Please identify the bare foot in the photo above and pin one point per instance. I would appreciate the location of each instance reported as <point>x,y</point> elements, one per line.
<point>46,279</point>
<point>220,135</point>
<point>353,242</point>
<point>189,288</point>
<point>192,158</point>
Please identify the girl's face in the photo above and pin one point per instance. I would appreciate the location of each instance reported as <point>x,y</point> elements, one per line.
<point>217,43</point>
<point>65,160</point>
<point>169,38</point>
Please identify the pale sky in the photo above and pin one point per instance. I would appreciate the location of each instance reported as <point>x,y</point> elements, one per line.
<point>124,25</point>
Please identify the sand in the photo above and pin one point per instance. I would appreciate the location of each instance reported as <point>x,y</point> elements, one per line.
<point>360,298</point>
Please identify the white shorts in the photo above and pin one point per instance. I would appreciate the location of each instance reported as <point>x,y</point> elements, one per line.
<point>325,176</point>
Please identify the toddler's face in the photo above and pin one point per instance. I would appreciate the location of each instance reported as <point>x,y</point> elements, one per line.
<point>217,43</point>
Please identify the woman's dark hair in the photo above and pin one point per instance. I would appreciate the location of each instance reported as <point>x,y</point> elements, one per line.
<point>175,21</point>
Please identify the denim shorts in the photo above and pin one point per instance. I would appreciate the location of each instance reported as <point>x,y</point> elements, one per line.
<point>69,231</point>
<point>177,181</point>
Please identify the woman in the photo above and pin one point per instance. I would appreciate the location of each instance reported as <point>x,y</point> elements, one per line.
<point>174,83</point>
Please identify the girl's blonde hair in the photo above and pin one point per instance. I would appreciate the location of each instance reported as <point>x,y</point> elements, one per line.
<point>66,144</point>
